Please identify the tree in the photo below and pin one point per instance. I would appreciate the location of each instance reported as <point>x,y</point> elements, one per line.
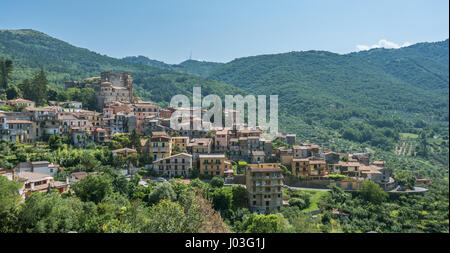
<point>286,171</point>
<point>93,188</point>
<point>54,142</point>
<point>262,224</point>
<point>6,68</point>
<point>176,149</point>
<point>212,221</point>
<point>167,217</point>
<point>221,199</point>
<point>162,191</point>
<point>240,197</point>
<point>298,202</point>
<point>39,88</point>
<point>49,213</point>
<point>89,161</point>
<point>88,98</point>
<point>372,192</point>
<point>12,92</point>
<point>9,202</point>
<point>217,182</point>
<point>135,140</point>
<point>194,173</point>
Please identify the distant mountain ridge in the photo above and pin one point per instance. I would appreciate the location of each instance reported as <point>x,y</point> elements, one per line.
<point>193,67</point>
<point>415,78</point>
<point>31,50</point>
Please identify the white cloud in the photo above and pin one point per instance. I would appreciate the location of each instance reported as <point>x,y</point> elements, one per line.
<point>382,44</point>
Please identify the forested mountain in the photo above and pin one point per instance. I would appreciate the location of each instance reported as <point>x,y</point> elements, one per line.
<point>31,50</point>
<point>368,98</point>
<point>408,80</point>
<point>424,65</point>
<point>198,68</point>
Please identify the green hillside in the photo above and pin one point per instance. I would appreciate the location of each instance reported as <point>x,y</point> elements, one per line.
<point>31,50</point>
<point>193,67</point>
<point>354,102</point>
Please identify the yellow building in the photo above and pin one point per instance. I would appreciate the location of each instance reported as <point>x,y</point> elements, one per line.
<point>181,142</point>
<point>309,167</point>
<point>214,164</point>
<point>159,146</point>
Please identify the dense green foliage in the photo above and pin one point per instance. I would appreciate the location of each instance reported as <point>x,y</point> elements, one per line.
<point>31,51</point>
<point>193,67</point>
<point>368,210</point>
<point>391,103</point>
<point>366,97</point>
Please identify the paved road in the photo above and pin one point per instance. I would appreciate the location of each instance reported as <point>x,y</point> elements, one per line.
<point>416,190</point>
<point>313,189</point>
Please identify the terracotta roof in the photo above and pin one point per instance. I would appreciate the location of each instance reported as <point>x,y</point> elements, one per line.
<point>199,141</point>
<point>58,184</point>
<point>20,100</point>
<point>32,176</point>
<point>223,131</point>
<point>79,175</point>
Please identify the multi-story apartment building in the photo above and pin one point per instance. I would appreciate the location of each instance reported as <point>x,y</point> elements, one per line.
<point>200,146</point>
<point>143,110</point>
<point>309,167</point>
<point>215,164</point>
<point>158,146</point>
<point>264,182</point>
<point>18,131</point>
<point>174,166</point>
<point>221,140</point>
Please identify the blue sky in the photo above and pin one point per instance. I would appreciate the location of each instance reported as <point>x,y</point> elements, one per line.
<point>222,30</point>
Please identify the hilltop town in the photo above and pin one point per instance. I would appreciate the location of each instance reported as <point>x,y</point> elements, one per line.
<point>238,156</point>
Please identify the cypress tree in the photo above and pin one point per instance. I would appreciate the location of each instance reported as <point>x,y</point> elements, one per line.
<point>6,67</point>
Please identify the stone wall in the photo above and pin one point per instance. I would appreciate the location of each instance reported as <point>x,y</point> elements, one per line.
<point>239,179</point>
<point>307,183</point>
